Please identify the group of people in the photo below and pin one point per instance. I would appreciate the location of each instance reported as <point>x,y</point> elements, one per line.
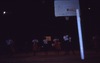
<point>55,44</point>
<point>47,45</point>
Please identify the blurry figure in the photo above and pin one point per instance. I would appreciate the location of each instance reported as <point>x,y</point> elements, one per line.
<point>45,46</point>
<point>65,37</point>
<point>66,43</point>
<point>48,39</point>
<point>70,46</point>
<point>57,45</point>
<point>35,46</point>
<point>95,43</point>
<point>10,46</point>
<point>26,47</point>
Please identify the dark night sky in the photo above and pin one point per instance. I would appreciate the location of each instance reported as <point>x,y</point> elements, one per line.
<point>28,19</point>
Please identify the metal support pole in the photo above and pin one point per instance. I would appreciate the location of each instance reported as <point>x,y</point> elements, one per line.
<point>80,34</point>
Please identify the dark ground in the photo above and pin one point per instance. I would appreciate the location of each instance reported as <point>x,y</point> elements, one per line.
<point>90,57</point>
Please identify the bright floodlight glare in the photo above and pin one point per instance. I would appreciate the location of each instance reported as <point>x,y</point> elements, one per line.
<point>4,12</point>
<point>89,8</point>
<point>80,34</point>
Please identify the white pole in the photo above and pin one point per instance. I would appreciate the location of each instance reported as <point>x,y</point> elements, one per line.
<point>80,34</point>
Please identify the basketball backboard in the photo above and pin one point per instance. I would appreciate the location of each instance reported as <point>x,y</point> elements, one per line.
<point>65,7</point>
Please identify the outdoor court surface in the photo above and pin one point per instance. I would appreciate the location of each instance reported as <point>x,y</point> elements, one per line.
<point>52,57</point>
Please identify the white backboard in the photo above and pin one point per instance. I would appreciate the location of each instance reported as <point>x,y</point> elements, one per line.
<point>66,7</point>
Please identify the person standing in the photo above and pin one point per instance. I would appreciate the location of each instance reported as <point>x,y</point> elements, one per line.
<point>35,46</point>
<point>70,46</point>
<point>57,45</point>
<point>10,46</point>
<point>95,43</point>
<point>45,46</point>
<point>66,43</point>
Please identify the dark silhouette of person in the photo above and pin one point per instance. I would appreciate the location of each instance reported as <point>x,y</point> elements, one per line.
<point>35,46</point>
<point>95,43</point>
<point>45,46</point>
<point>57,45</point>
<point>66,44</point>
<point>70,45</point>
<point>10,46</point>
